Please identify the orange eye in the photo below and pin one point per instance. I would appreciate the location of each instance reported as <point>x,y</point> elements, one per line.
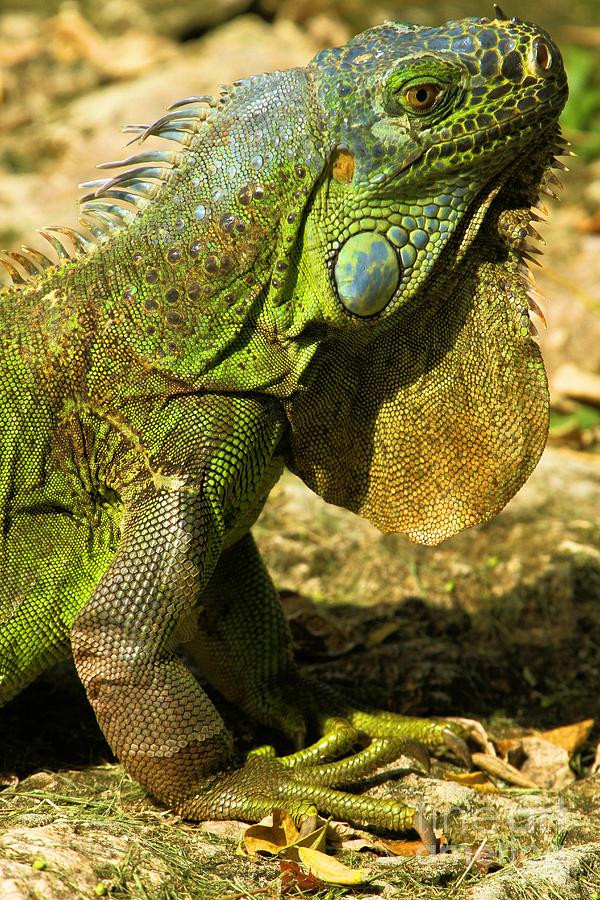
<point>422,97</point>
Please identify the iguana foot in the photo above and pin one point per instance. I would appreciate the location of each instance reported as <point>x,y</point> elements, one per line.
<point>265,783</point>
<point>309,780</point>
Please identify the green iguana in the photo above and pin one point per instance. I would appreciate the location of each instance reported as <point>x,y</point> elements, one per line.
<point>328,272</point>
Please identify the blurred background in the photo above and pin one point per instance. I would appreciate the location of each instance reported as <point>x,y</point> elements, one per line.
<point>71,74</point>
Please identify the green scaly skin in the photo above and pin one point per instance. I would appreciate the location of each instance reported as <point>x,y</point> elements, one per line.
<point>326,272</point>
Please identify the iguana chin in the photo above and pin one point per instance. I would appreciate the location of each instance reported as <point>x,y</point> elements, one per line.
<point>327,272</point>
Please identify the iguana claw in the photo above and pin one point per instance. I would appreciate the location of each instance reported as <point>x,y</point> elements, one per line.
<point>458,746</point>
<point>419,753</point>
<point>424,829</point>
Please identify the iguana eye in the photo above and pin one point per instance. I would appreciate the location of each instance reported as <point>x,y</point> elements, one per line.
<point>423,97</point>
<point>541,57</point>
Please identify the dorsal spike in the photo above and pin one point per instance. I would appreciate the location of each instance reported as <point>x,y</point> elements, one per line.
<point>191,116</point>
<point>39,259</point>
<point>109,212</point>
<point>209,99</point>
<point>533,233</point>
<point>79,241</point>
<point>95,225</point>
<point>533,306</point>
<point>167,157</point>
<point>183,136</point>
<point>530,258</point>
<point>134,177</point>
<point>56,245</point>
<point>26,263</point>
<point>94,183</point>
<point>14,274</point>
<point>138,199</point>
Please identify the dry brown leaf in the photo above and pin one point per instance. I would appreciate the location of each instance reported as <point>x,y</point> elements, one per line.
<point>411,848</point>
<point>271,837</point>
<point>546,764</point>
<point>494,766</point>
<point>468,778</point>
<point>330,869</point>
<point>507,745</point>
<point>569,737</point>
<point>295,879</point>
<point>476,780</point>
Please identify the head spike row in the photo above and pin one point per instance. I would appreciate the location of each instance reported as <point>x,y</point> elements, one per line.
<point>500,14</point>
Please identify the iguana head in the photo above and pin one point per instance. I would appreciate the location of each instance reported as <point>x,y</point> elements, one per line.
<point>426,407</point>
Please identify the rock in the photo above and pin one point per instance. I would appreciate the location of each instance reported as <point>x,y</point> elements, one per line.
<point>546,764</point>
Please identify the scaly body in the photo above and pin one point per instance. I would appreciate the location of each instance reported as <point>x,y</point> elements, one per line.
<point>327,272</point>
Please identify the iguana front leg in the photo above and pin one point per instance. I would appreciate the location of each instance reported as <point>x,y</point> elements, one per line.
<point>154,714</point>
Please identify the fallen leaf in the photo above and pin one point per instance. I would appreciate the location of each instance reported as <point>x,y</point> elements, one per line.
<point>476,780</point>
<point>330,869</point>
<point>295,878</point>
<point>569,737</point>
<point>272,835</point>
<point>468,778</point>
<point>507,745</point>
<point>411,848</point>
<point>315,840</point>
<point>494,766</point>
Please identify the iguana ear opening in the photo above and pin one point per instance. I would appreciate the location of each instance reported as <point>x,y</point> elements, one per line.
<point>430,426</point>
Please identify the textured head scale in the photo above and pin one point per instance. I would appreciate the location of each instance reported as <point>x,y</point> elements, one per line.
<point>430,407</point>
